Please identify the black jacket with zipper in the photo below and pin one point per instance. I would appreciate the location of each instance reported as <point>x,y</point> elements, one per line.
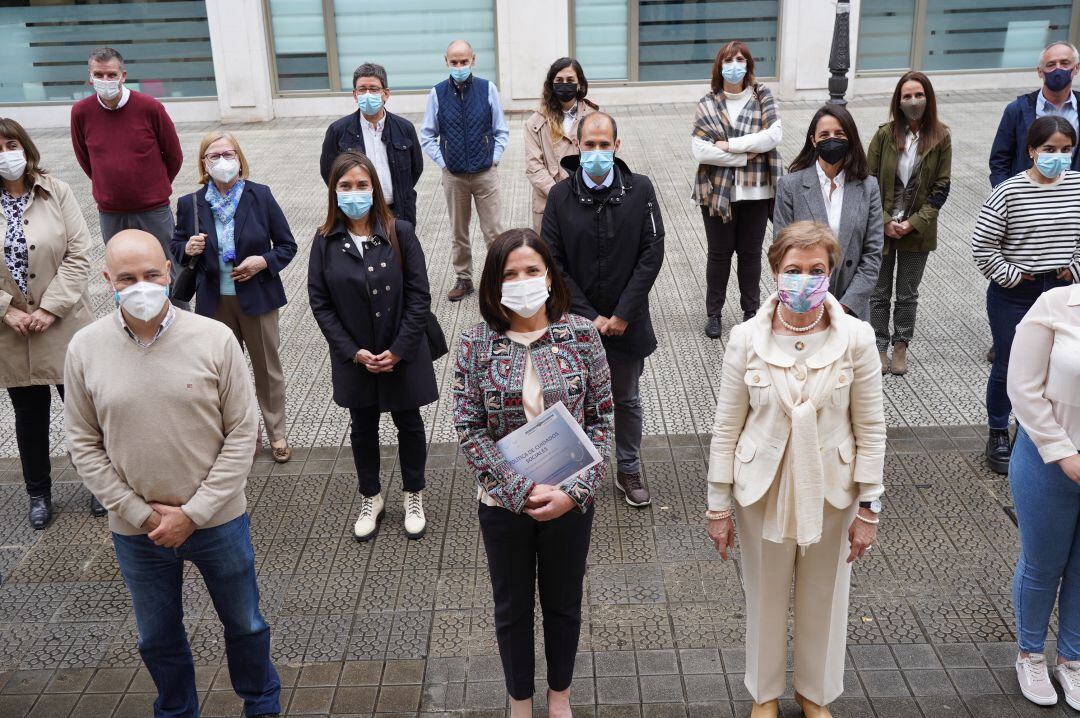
<point>609,245</point>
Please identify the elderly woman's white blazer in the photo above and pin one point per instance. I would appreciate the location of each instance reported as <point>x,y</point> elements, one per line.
<point>752,429</point>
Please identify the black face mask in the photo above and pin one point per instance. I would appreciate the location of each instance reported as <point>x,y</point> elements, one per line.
<point>832,150</point>
<point>565,91</point>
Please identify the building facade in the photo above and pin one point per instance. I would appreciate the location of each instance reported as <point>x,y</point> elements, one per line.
<point>253,60</point>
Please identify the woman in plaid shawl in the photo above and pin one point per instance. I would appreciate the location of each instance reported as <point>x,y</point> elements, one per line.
<point>735,138</point>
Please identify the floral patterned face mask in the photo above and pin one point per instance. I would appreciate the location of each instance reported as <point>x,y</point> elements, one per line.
<point>802,293</point>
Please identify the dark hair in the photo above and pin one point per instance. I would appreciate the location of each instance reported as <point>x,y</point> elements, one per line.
<point>727,52</point>
<point>550,105</point>
<point>491,281</point>
<point>370,69</point>
<point>855,165</point>
<point>380,211</point>
<point>597,115</point>
<point>12,130</point>
<point>105,54</point>
<point>931,130</point>
<point>1044,128</point>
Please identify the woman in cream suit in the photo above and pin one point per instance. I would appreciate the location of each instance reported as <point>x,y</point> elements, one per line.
<point>799,442</point>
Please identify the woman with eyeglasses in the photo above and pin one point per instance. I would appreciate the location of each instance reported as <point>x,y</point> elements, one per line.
<point>239,242</point>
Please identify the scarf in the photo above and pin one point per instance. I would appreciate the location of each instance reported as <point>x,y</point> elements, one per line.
<point>224,208</point>
<point>714,186</point>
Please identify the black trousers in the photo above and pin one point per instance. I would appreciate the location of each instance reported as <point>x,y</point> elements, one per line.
<point>412,448</point>
<point>523,552</point>
<point>33,406</point>
<point>742,236</point>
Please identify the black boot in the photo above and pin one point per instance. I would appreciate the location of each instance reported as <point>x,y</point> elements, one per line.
<point>96,509</point>
<point>712,328</point>
<point>41,512</point>
<point>998,451</point>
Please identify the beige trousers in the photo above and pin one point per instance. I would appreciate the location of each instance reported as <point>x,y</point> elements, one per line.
<point>462,190</point>
<point>261,338</point>
<point>822,581</point>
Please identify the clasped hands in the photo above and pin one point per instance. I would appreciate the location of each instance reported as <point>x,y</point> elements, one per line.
<point>168,526</point>
<point>898,230</point>
<point>377,363</point>
<point>546,502</point>
<point>610,326</point>
<point>24,324</point>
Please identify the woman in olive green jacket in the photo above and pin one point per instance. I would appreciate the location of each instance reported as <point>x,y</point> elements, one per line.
<point>911,157</point>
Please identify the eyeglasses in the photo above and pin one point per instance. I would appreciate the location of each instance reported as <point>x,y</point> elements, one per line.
<point>215,156</point>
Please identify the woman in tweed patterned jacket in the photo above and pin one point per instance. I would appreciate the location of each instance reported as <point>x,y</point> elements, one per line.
<point>527,355</point>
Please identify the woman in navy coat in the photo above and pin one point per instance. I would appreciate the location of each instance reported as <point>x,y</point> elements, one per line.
<point>371,301</point>
<point>237,236</point>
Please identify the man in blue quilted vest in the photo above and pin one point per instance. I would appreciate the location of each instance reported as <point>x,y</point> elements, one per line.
<point>464,132</point>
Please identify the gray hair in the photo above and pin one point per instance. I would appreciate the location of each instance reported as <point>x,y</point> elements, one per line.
<point>1063,43</point>
<point>472,52</point>
<point>370,69</point>
<point>105,54</point>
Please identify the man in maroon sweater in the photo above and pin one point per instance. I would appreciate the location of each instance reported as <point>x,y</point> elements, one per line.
<point>127,145</point>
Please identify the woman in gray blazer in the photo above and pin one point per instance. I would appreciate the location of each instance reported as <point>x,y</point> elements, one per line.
<point>829,182</point>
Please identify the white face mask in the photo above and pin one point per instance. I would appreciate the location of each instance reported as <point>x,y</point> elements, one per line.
<point>12,164</point>
<point>107,89</point>
<point>526,296</point>
<point>224,171</point>
<point>143,300</point>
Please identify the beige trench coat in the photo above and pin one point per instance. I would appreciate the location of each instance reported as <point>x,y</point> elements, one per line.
<point>542,156</point>
<point>58,244</point>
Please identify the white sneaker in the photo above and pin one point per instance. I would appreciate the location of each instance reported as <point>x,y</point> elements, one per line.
<point>415,520</point>
<point>371,513</point>
<point>1068,676</point>
<point>1031,672</point>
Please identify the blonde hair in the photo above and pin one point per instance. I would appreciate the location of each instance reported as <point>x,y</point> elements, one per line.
<point>209,139</point>
<point>804,235</point>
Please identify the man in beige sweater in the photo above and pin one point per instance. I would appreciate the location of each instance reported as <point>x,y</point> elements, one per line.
<point>161,420</point>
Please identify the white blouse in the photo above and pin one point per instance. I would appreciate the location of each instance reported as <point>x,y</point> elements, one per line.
<point>1044,373</point>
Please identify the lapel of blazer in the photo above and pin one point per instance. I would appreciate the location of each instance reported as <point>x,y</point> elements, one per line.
<point>851,209</point>
<point>206,221</point>
<point>812,195</point>
<point>244,207</point>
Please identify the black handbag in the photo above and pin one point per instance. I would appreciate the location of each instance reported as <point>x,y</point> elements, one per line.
<point>183,284</point>
<point>436,338</point>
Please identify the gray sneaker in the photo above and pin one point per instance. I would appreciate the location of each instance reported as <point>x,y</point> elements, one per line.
<point>633,487</point>
<point>1034,680</point>
<point>1068,677</point>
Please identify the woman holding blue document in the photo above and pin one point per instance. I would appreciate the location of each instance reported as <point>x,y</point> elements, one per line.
<point>529,355</point>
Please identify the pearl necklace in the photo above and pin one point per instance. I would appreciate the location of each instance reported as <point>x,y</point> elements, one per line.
<point>800,330</point>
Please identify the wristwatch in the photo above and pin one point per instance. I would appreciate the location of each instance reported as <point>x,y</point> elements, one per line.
<point>874,506</point>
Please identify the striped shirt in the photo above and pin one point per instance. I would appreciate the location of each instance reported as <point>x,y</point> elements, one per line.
<point>1030,228</point>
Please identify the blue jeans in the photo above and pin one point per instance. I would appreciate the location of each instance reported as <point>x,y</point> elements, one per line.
<point>1005,308</point>
<point>1048,508</point>
<point>154,576</point>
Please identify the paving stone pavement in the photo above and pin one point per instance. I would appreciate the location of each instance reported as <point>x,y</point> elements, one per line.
<point>399,627</point>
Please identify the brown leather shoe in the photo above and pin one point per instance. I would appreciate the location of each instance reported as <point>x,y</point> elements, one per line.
<point>281,454</point>
<point>633,487</point>
<point>811,709</point>
<point>884,356</point>
<point>769,709</point>
<point>899,359</point>
<point>462,289</point>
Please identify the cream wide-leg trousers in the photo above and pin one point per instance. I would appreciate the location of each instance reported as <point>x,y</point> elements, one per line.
<point>822,580</point>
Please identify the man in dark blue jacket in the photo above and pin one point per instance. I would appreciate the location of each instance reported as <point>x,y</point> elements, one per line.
<point>1057,67</point>
<point>388,140</point>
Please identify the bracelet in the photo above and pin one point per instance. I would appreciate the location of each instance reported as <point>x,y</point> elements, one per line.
<point>720,515</point>
<point>862,518</point>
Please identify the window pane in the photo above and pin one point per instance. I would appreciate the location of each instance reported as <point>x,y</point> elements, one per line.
<point>600,38</point>
<point>678,39</point>
<point>985,34</point>
<point>299,45</point>
<point>166,48</point>
<point>885,30</point>
<point>408,38</point>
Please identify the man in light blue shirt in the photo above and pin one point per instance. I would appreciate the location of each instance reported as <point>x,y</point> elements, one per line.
<point>464,133</point>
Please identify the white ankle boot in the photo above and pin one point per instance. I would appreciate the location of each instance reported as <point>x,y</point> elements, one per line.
<point>415,520</point>
<point>371,513</point>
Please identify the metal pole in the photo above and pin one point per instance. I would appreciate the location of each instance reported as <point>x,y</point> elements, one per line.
<point>840,54</point>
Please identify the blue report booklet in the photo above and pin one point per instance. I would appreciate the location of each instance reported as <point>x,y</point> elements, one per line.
<point>551,448</point>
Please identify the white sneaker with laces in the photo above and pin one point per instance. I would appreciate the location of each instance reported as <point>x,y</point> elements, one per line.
<point>1068,676</point>
<point>371,513</point>
<point>1034,679</point>
<point>415,520</point>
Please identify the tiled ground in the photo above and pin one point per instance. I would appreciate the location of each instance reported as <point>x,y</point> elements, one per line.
<point>398,627</point>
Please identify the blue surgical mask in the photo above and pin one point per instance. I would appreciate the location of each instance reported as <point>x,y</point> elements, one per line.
<point>597,163</point>
<point>355,205</point>
<point>1052,164</point>
<point>369,104</point>
<point>733,71</point>
<point>460,74</point>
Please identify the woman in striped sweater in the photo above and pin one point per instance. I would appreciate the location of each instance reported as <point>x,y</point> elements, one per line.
<point>1026,242</point>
